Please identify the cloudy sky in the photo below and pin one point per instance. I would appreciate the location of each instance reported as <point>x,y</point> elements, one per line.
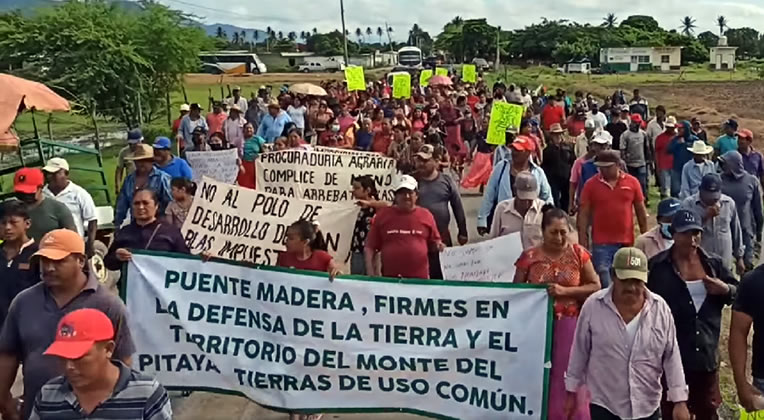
<point>299,15</point>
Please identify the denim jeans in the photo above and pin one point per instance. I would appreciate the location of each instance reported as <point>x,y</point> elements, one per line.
<point>357,263</point>
<point>641,174</point>
<point>664,182</point>
<point>602,257</point>
<point>676,183</point>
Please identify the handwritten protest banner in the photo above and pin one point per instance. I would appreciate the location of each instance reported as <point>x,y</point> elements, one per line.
<point>424,77</point>
<point>440,71</point>
<point>503,116</point>
<point>245,225</point>
<point>492,260</point>
<point>322,175</point>
<point>294,341</point>
<point>469,73</point>
<point>402,86</point>
<point>219,165</point>
<point>755,415</point>
<point>355,78</point>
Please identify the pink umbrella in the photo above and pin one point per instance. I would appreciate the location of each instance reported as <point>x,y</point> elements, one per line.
<point>440,81</point>
<point>19,94</point>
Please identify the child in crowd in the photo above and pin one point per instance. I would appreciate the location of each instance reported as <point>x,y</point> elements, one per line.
<point>183,191</point>
<point>306,250</point>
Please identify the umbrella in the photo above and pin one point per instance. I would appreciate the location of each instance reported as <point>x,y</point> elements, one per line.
<point>19,94</point>
<point>307,89</point>
<point>440,81</point>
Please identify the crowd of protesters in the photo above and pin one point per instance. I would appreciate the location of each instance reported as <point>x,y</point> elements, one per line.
<point>637,319</point>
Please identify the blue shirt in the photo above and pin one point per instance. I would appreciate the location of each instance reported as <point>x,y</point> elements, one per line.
<point>692,174</point>
<point>158,181</point>
<point>680,152</point>
<point>725,144</point>
<point>271,128</point>
<point>177,168</point>
<point>498,189</point>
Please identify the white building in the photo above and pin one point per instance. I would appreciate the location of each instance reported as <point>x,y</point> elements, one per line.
<point>723,56</point>
<point>640,59</point>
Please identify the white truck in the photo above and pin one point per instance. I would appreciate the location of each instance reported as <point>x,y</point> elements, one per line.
<point>322,64</point>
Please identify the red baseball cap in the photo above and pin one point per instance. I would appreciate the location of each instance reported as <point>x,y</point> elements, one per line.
<point>524,143</point>
<point>636,118</point>
<point>78,331</point>
<point>28,180</point>
<point>745,133</point>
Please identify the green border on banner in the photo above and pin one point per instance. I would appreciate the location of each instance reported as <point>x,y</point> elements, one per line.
<point>547,350</point>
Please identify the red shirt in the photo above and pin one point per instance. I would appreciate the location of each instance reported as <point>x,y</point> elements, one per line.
<point>176,126</point>
<point>403,238</point>
<point>318,261</point>
<point>664,159</point>
<point>472,101</point>
<point>612,209</point>
<point>381,142</point>
<point>551,115</point>
<point>576,126</point>
<point>215,122</point>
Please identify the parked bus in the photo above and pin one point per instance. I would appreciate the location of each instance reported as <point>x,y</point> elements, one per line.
<point>232,62</point>
<point>410,56</point>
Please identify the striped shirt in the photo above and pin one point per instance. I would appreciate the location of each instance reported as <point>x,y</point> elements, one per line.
<point>136,397</point>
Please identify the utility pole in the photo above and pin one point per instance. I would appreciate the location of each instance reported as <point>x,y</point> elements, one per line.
<point>344,31</point>
<point>498,50</point>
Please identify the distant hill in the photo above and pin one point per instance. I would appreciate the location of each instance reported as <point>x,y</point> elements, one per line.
<point>212,30</point>
<point>28,6</point>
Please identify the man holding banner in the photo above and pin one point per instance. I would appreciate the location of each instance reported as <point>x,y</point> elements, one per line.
<point>402,234</point>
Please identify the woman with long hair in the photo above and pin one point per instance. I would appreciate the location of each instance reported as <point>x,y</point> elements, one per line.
<point>183,191</point>
<point>567,271</point>
<point>365,191</point>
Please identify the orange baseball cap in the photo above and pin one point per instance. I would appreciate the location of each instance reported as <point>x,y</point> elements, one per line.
<point>524,143</point>
<point>78,331</point>
<point>28,180</point>
<point>59,244</point>
<point>745,133</point>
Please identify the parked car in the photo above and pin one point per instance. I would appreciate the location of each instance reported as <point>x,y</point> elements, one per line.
<point>481,63</point>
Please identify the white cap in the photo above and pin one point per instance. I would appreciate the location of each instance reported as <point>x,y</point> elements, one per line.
<point>56,164</point>
<point>185,108</point>
<point>589,123</point>
<point>603,138</point>
<point>670,121</point>
<point>408,182</point>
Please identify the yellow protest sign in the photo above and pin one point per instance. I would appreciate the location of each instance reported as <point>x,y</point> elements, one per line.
<point>424,77</point>
<point>469,73</point>
<point>503,116</point>
<point>402,86</point>
<point>440,71</point>
<point>355,78</point>
<point>756,415</point>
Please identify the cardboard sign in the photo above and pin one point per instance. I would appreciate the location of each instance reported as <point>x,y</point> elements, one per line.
<point>424,77</point>
<point>220,165</point>
<point>322,175</point>
<point>492,260</point>
<point>240,224</point>
<point>298,342</point>
<point>503,116</point>
<point>440,71</point>
<point>469,73</point>
<point>402,86</point>
<point>355,78</point>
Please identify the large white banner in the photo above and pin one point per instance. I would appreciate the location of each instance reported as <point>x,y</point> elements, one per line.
<point>240,224</point>
<point>220,165</point>
<point>491,260</point>
<point>294,340</point>
<point>323,175</point>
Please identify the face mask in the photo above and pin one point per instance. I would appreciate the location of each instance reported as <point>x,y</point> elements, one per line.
<point>335,128</point>
<point>666,231</point>
<point>216,146</point>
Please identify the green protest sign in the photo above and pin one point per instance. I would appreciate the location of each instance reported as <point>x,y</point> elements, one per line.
<point>755,415</point>
<point>469,73</point>
<point>440,71</point>
<point>424,77</point>
<point>293,340</point>
<point>503,116</point>
<point>355,78</point>
<point>402,86</point>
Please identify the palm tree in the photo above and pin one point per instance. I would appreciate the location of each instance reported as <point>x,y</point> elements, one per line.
<point>721,21</point>
<point>219,32</point>
<point>281,35</point>
<point>359,34</point>
<point>456,21</point>
<point>315,31</point>
<point>243,37</point>
<point>610,20</point>
<point>235,39</point>
<point>268,32</point>
<point>292,36</point>
<point>688,26</point>
<point>255,36</point>
<point>380,32</point>
<point>369,32</point>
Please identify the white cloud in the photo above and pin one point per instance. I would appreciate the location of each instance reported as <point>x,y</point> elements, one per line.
<point>299,15</point>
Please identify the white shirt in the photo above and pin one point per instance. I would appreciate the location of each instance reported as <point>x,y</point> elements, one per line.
<point>600,121</point>
<point>297,115</point>
<point>697,292</point>
<point>234,132</point>
<point>654,129</point>
<point>242,103</point>
<point>78,201</point>
<point>632,327</point>
<point>527,101</point>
